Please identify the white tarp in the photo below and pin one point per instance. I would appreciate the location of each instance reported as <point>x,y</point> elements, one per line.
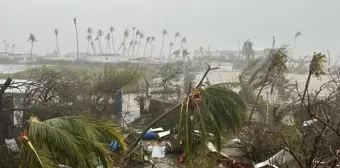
<point>163,134</point>
<point>277,160</point>
<point>12,145</point>
<point>156,129</point>
<point>158,151</point>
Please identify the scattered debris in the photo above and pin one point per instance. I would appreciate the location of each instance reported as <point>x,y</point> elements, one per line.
<point>278,159</point>
<point>12,145</point>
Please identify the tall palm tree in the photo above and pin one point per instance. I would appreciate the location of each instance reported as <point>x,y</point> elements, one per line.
<point>7,45</point>
<point>93,47</point>
<point>183,41</point>
<point>13,46</point>
<point>126,35</point>
<point>75,141</point>
<point>152,39</point>
<point>147,40</point>
<point>163,35</point>
<point>141,36</point>
<point>209,109</point>
<point>88,38</point>
<point>133,33</point>
<point>170,46</point>
<point>108,38</point>
<point>130,46</point>
<point>97,39</point>
<point>56,33</point>
<point>135,42</point>
<point>112,29</point>
<point>32,39</point>
<point>276,66</point>
<point>100,33</point>
<point>298,34</point>
<point>173,43</point>
<point>77,38</point>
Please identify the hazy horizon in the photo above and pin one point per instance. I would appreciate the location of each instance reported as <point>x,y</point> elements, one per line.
<point>220,23</point>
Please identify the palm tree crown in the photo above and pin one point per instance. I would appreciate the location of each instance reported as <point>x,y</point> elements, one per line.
<point>32,38</point>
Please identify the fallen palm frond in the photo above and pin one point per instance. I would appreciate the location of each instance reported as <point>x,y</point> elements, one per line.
<point>75,141</point>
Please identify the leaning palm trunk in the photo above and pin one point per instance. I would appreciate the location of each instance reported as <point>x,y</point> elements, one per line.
<point>146,45</point>
<point>170,51</point>
<point>113,45</point>
<point>151,52</point>
<point>137,52</point>
<point>31,49</point>
<point>122,45</point>
<point>160,53</point>
<point>259,93</point>
<point>108,47</point>
<point>56,39</point>
<point>75,25</point>
<point>88,46</point>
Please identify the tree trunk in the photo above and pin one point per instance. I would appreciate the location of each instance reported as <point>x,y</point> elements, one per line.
<point>100,44</point>
<point>113,45</point>
<point>56,40</point>
<point>140,40</point>
<point>151,54</point>
<point>146,45</point>
<point>77,38</point>
<point>160,53</point>
<point>31,49</point>
<point>88,47</point>
<point>258,94</point>
<point>304,95</point>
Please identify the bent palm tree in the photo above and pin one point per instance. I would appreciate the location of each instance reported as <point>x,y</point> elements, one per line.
<point>183,41</point>
<point>100,33</point>
<point>298,34</point>
<point>147,40</point>
<point>209,109</point>
<point>32,39</point>
<point>135,42</point>
<point>75,25</point>
<point>152,39</point>
<point>126,35</point>
<point>75,141</point>
<point>163,34</point>
<point>108,38</point>
<point>141,36</point>
<point>112,29</point>
<point>56,33</point>
<point>173,43</point>
<point>13,46</point>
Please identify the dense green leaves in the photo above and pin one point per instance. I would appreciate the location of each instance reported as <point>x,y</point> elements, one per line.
<point>75,141</point>
<point>210,111</point>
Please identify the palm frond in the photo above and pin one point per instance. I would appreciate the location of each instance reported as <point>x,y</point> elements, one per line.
<point>76,141</point>
<point>211,111</point>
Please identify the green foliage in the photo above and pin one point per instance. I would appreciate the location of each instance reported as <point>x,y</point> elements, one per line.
<point>317,64</point>
<point>75,141</point>
<point>210,111</point>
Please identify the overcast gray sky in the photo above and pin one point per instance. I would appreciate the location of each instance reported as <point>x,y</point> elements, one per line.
<point>220,23</point>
